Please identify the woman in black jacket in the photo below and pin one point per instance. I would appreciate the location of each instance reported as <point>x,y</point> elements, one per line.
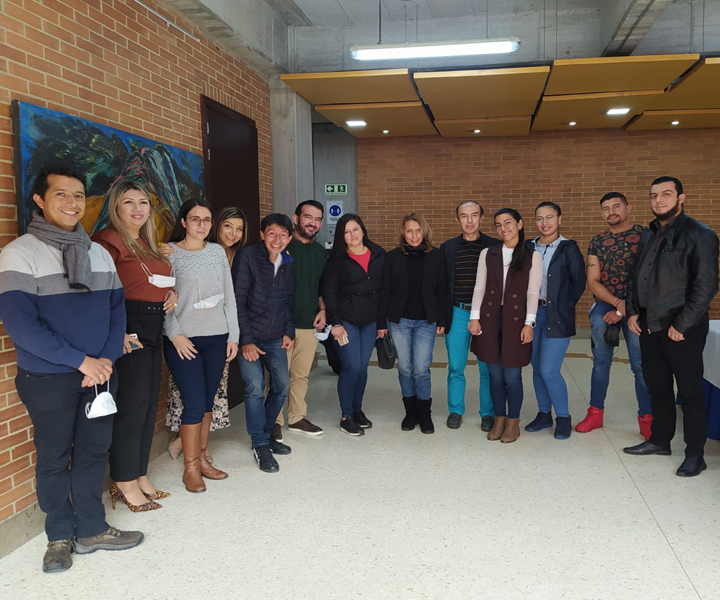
<point>412,308</point>
<point>351,291</point>
<point>562,286</point>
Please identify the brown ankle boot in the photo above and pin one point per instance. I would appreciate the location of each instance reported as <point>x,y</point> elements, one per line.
<point>512,431</point>
<point>206,468</point>
<point>192,474</point>
<point>497,430</point>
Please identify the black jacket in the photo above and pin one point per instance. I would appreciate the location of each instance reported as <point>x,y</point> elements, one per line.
<point>565,286</point>
<point>684,278</point>
<point>351,294</point>
<point>394,294</point>
<point>449,250</point>
<point>264,300</point>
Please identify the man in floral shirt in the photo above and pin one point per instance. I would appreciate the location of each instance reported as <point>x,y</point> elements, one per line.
<point>611,257</point>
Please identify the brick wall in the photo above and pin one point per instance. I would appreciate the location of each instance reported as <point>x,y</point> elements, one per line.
<point>112,62</point>
<point>433,175</point>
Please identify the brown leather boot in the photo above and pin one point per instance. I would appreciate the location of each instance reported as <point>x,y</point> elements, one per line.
<point>512,431</point>
<point>192,475</point>
<point>206,468</point>
<point>497,430</point>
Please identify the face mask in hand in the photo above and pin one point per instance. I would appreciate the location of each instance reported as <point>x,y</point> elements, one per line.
<point>210,302</point>
<point>102,406</point>
<point>322,334</point>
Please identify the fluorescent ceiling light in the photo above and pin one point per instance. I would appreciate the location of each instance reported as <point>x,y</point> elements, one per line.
<point>572,123</point>
<point>675,123</point>
<point>617,111</point>
<point>355,123</point>
<point>435,49</point>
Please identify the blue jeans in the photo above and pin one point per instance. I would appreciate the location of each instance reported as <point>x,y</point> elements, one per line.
<point>603,355</point>
<point>506,386</point>
<point>457,342</point>
<point>354,359</point>
<point>260,413</point>
<point>414,342</point>
<point>547,358</point>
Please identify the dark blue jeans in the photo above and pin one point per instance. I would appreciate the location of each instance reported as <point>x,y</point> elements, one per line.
<point>261,412</point>
<point>56,404</point>
<point>198,379</point>
<point>506,386</point>
<point>354,359</point>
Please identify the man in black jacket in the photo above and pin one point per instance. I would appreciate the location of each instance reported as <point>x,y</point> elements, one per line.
<point>263,279</point>
<point>675,279</point>
<point>461,256</point>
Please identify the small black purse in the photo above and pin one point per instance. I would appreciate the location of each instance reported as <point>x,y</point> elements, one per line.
<point>385,352</point>
<point>612,335</point>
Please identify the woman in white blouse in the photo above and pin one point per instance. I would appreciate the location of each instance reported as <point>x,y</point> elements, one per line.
<point>502,318</point>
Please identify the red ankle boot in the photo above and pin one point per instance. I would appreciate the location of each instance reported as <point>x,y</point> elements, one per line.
<point>593,420</point>
<point>645,423</point>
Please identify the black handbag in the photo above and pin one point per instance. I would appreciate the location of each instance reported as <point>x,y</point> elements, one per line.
<point>612,335</point>
<point>385,352</point>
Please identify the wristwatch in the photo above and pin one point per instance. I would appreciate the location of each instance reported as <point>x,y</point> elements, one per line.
<point>532,324</point>
<point>618,313</point>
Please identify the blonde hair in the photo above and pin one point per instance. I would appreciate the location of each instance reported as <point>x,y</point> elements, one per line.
<point>148,231</point>
<point>424,228</point>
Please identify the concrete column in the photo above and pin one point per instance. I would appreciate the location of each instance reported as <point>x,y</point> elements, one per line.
<point>291,127</point>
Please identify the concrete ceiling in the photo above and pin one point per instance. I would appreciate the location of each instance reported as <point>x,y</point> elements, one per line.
<point>315,35</point>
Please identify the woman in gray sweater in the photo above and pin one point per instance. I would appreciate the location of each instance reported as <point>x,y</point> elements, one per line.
<point>201,334</point>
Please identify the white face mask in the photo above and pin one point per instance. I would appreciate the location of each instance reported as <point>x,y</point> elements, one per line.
<point>102,406</point>
<point>323,334</point>
<point>160,281</point>
<point>210,302</point>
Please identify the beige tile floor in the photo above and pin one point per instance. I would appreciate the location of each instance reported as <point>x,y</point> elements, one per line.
<point>404,515</point>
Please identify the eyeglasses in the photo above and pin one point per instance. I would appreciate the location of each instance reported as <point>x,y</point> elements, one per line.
<point>197,220</point>
<point>549,219</point>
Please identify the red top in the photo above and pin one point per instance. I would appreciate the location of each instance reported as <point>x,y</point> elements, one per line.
<point>362,259</point>
<point>134,279</point>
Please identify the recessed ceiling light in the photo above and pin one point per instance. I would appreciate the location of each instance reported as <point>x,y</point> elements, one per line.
<point>476,131</point>
<point>355,123</point>
<point>617,111</point>
<point>386,131</point>
<point>675,123</point>
<point>572,123</point>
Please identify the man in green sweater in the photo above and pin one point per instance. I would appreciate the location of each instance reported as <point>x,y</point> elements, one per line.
<point>308,314</point>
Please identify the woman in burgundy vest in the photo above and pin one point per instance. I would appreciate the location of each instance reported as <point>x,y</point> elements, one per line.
<point>502,319</point>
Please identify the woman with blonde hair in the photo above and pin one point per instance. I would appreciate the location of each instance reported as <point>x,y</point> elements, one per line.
<point>131,239</point>
<point>230,231</point>
<point>412,309</point>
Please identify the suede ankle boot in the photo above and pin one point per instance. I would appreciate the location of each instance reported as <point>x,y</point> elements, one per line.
<point>497,430</point>
<point>192,474</point>
<point>206,468</point>
<point>424,418</point>
<point>410,420</point>
<point>512,431</point>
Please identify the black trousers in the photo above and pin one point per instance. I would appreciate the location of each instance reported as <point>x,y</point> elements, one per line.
<point>663,359</point>
<point>56,404</point>
<point>137,396</point>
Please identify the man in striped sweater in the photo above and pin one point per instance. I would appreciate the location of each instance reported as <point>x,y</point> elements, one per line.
<point>62,304</point>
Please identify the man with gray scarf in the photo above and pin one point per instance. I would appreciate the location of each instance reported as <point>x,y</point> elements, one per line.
<point>62,303</point>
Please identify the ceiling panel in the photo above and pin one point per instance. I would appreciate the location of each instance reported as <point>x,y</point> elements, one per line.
<point>485,93</point>
<point>687,119</point>
<point>399,118</point>
<point>617,73</point>
<point>489,127</point>
<point>588,110</point>
<point>698,89</point>
<point>353,87</point>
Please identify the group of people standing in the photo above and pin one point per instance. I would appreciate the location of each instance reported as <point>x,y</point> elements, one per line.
<point>93,317</point>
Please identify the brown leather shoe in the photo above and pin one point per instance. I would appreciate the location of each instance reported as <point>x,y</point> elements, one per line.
<point>206,467</point>
<point>497,429</point>
<point>192,474</point>
<point>512,431</point>
<point>58,556</point>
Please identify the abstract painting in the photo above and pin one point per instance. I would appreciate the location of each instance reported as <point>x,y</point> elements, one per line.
<point>105,156</point>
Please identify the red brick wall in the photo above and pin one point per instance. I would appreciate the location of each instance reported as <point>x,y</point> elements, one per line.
<point>575,169</point>
<point>112,62</point>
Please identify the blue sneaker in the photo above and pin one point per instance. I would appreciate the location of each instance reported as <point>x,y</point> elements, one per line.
<point>542,421</point>
<point>563,428</point>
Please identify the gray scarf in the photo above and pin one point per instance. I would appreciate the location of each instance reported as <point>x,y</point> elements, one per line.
<point>75,247</point>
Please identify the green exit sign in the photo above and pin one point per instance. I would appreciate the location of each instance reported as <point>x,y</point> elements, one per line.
<point>336,189</point>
